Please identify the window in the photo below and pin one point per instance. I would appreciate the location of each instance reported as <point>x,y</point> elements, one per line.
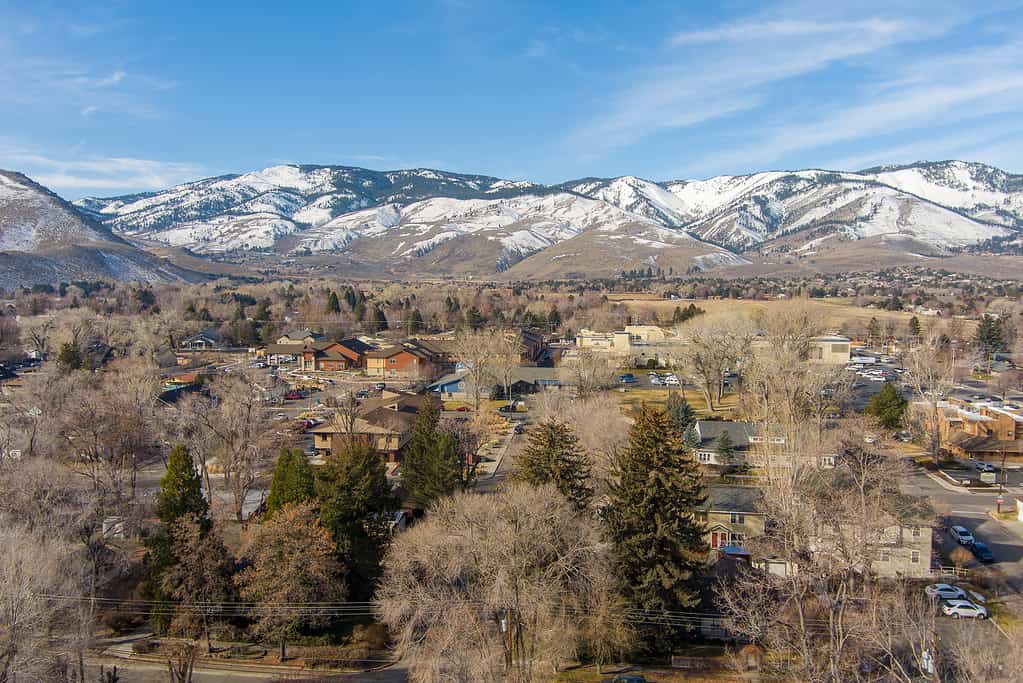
<point>737,539</point>
<point>736,518</point>
<point>392,361</point>
<point>704,457</point>
<point>914,557</point>
<point>916,532</point>
<point>885,556</point>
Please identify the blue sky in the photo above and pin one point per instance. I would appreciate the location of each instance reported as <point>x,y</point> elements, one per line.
<point>104,98</point>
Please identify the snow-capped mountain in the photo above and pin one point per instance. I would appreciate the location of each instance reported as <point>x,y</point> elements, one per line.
<point>44,239</point>
<point>485,224</point>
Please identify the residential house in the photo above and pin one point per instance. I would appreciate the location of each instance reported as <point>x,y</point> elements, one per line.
<point>207,340</point>
<point>732,514</point>
<point>333,356</point>
<point>304,337</point>
<point>457,386</point>
<point>385,422</point>
<point>413,359</point>
<point>714,436</point>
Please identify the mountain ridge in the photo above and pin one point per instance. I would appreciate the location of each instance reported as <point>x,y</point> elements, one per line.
<point>441,221</point>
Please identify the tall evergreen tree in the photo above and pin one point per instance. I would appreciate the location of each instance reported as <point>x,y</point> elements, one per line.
<point>180,496</point>
<point>655,528</point>
<point>874,329</point>
<point>432,467</point>
<point>990,337</point>
<point>356,506</point>
<point>725,448</point>
<point>293,481</point>
<point>350,298</point>
<point>379,320</point>
<point>554,319</point>
<point>914,327</point>
<point>552,455</point>
<point>887,406</point>
<point>682,418</point>
<point>333,304</point>
<point>181,490</point>
<point>415,322</point>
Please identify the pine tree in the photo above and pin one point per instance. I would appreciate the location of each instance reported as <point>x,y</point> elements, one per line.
<point>180,496</point>
<point>990,337</point>
<point>654,526</point>
<point>553,455</point>
<point>415,325</point>
<point>554,319</point>
<point>181,490</point>
<point>914,327</point>
<point>887,406</point>
<point>356,506</point>
<point>873,329</point>
<point>333,304</point>
<point>379,320</point>
<point>682,418</point>
<point>292,481</point>
<point>350,298</point>
<point>725,448</point>
<point>432,466</point>
<point>69,358</point>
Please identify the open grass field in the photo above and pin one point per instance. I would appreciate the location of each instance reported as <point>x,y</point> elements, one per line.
<point>633,398</point>
<point>837,313</point>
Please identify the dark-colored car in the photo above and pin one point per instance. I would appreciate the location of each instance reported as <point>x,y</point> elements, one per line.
<point>294,396</point>
<point>628,678</point>
<point>518,429</point>
<point>627,378</point>
<point>982,552</point>
<point>379,386</point>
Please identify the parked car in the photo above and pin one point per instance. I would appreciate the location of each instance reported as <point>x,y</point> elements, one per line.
<point>462,409</point>
<point>904,437</point>
<point>945,591</point>
<point>379,386</point>
<point>982,552</point>
<point>986,467</point>
<point>963,608</point>
<point>627,378</point>
<point>518,429</point>
<point>962,535</point>
<point>362,393</point>
<point>294,395</point>
<point>628,678</point>
<point>672,381</point>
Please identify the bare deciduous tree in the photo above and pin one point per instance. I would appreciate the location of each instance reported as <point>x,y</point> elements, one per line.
<point>476,349</point>
<point>495,588</point>
<point>930,372</point>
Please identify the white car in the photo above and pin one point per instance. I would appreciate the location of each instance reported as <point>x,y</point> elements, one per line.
<point>945,591</point>
<point>672,382</point>
<point>963,608</point>
<point>962,534</point>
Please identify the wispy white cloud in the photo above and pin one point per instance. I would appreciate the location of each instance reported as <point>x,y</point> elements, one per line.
<point>786,28</point>
<point>82,175</point>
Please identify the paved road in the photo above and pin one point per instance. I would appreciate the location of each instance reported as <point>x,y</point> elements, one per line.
<point>130,671</point>
<point>970,510</point>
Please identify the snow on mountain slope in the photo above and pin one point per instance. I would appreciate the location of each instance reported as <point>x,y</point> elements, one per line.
<point>44,239</point>
<point>32,218</point>
<point>981,191</point>
<point>638,196</point>
<point>515,227</point>
<point>825,202</point>
<point>466,221</point>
